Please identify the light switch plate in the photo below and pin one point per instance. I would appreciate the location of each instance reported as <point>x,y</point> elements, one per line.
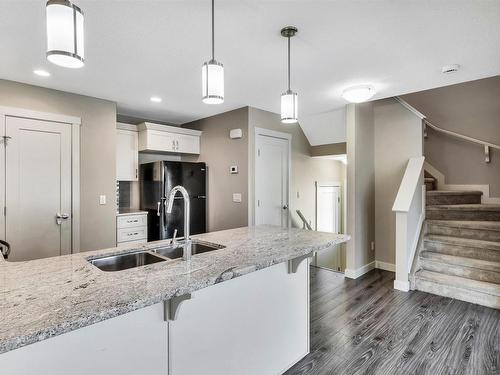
<point>237,197</point>
<point>102,199</point>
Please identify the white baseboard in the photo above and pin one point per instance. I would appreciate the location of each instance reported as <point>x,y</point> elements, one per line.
<point>402,285</point>
<point>354,274</point>
<point>385,266</point>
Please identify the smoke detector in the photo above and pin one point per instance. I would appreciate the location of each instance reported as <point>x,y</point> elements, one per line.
<point>450,68</point>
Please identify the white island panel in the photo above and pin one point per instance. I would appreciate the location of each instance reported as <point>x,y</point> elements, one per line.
<point>131,344</point>
<point>256,324</point>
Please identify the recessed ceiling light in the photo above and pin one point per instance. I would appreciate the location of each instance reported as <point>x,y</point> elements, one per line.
<point>450,68</point>
<point>41,73</point>
<point>358,94</point>
<point>155,99</point>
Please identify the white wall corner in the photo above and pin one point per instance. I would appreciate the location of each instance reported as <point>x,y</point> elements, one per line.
<point>355,273</point>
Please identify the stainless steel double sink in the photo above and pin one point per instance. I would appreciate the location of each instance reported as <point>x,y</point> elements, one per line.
<point>121,262</point>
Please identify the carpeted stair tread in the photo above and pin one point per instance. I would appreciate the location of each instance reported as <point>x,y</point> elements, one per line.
<point>452,287</point>
<point>454,192</point>
<point>491,289</point>
<point>465,207</point>
<point>480,244</point>
<point>461,261</point>
<point>484,225</point>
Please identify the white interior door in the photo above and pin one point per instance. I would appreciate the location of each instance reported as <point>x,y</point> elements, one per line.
<point>271,180</point>
<point>328,208</point>
<point>37,188</point>
<point>328,214</point>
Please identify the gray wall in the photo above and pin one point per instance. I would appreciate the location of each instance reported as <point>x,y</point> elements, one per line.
<point>360,185</point>
<point>305,169</point>
<point>98,153</point>
<point>220,152</point>
<point>473,109</point>
<point>397,138</point>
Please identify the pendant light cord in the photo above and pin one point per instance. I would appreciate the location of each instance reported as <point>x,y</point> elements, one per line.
<point>288,63</point>
<point>213,31</point>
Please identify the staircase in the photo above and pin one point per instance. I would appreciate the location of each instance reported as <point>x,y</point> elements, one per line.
<point>459,254</point>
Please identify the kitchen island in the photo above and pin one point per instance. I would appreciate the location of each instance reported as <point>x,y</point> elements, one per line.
<point>242,309</point>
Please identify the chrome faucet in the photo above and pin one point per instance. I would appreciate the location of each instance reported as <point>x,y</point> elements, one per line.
<point>186,254</point>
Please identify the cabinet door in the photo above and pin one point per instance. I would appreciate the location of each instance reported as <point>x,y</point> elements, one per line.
<point>188,144</point>
<point>130,344</point>
<point>127,155</point>
<point>158,141</point>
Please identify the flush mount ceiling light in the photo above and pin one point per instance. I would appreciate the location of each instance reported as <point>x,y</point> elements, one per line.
<point>358,94</point>
<point>155,99</point>
<point>64,34</point>
<point>212,75</point>
<point>289,99</point>
<point>41,73</point>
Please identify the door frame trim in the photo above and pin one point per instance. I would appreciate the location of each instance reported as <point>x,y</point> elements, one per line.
<point>275,134</point>
<point>75,123</point>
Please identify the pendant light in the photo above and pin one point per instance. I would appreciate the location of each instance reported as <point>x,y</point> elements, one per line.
<point>64,34</point>
<point>289,99</point>
<point>212,76</point>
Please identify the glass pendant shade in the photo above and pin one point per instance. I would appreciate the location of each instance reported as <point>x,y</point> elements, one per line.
<point>212,75</point>
<point>64,34</point>
<point>289,107</point>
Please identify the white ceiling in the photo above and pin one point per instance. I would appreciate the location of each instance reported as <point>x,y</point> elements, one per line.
<point>135,49</point>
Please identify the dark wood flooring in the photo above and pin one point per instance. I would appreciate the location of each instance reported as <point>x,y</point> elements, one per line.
<point>364,326</point>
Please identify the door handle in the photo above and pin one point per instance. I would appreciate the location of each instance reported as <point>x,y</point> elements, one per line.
<point>158,209</point>
<point>285,207</point>
<point>60,217</point>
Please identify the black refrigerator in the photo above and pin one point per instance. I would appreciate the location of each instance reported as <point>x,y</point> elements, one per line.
<point>155,182</point>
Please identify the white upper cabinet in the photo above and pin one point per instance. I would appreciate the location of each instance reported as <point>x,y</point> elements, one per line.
<point>127,152</point>
<point>172,139</point>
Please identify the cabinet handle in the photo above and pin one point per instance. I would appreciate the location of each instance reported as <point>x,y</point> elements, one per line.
<point>133,221</point>
<point>132,234</point>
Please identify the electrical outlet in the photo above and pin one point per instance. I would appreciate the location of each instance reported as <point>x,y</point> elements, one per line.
<point>237,197</point>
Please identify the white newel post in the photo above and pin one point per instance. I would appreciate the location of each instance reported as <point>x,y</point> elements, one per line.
<point>409,207</point>
<point>402,281</point>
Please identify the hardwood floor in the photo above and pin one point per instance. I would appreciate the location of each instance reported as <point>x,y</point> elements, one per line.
<point>364,326</point>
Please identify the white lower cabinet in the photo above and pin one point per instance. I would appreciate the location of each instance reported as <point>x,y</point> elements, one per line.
<point>131,344</point>
<point>131,229</point>
<point>254,324</point>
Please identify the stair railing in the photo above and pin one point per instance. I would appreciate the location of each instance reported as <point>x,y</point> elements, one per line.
<point>409,207</point>
<point>427,123</point>
<point>305,224</point>
<point>486,145</point>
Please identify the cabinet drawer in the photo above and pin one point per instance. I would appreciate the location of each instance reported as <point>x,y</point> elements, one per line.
<point>131,234</point>
<point>131,221</point>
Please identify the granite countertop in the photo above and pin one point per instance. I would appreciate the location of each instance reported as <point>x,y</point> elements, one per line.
<point>48,297</point>
<point>130,211</point>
